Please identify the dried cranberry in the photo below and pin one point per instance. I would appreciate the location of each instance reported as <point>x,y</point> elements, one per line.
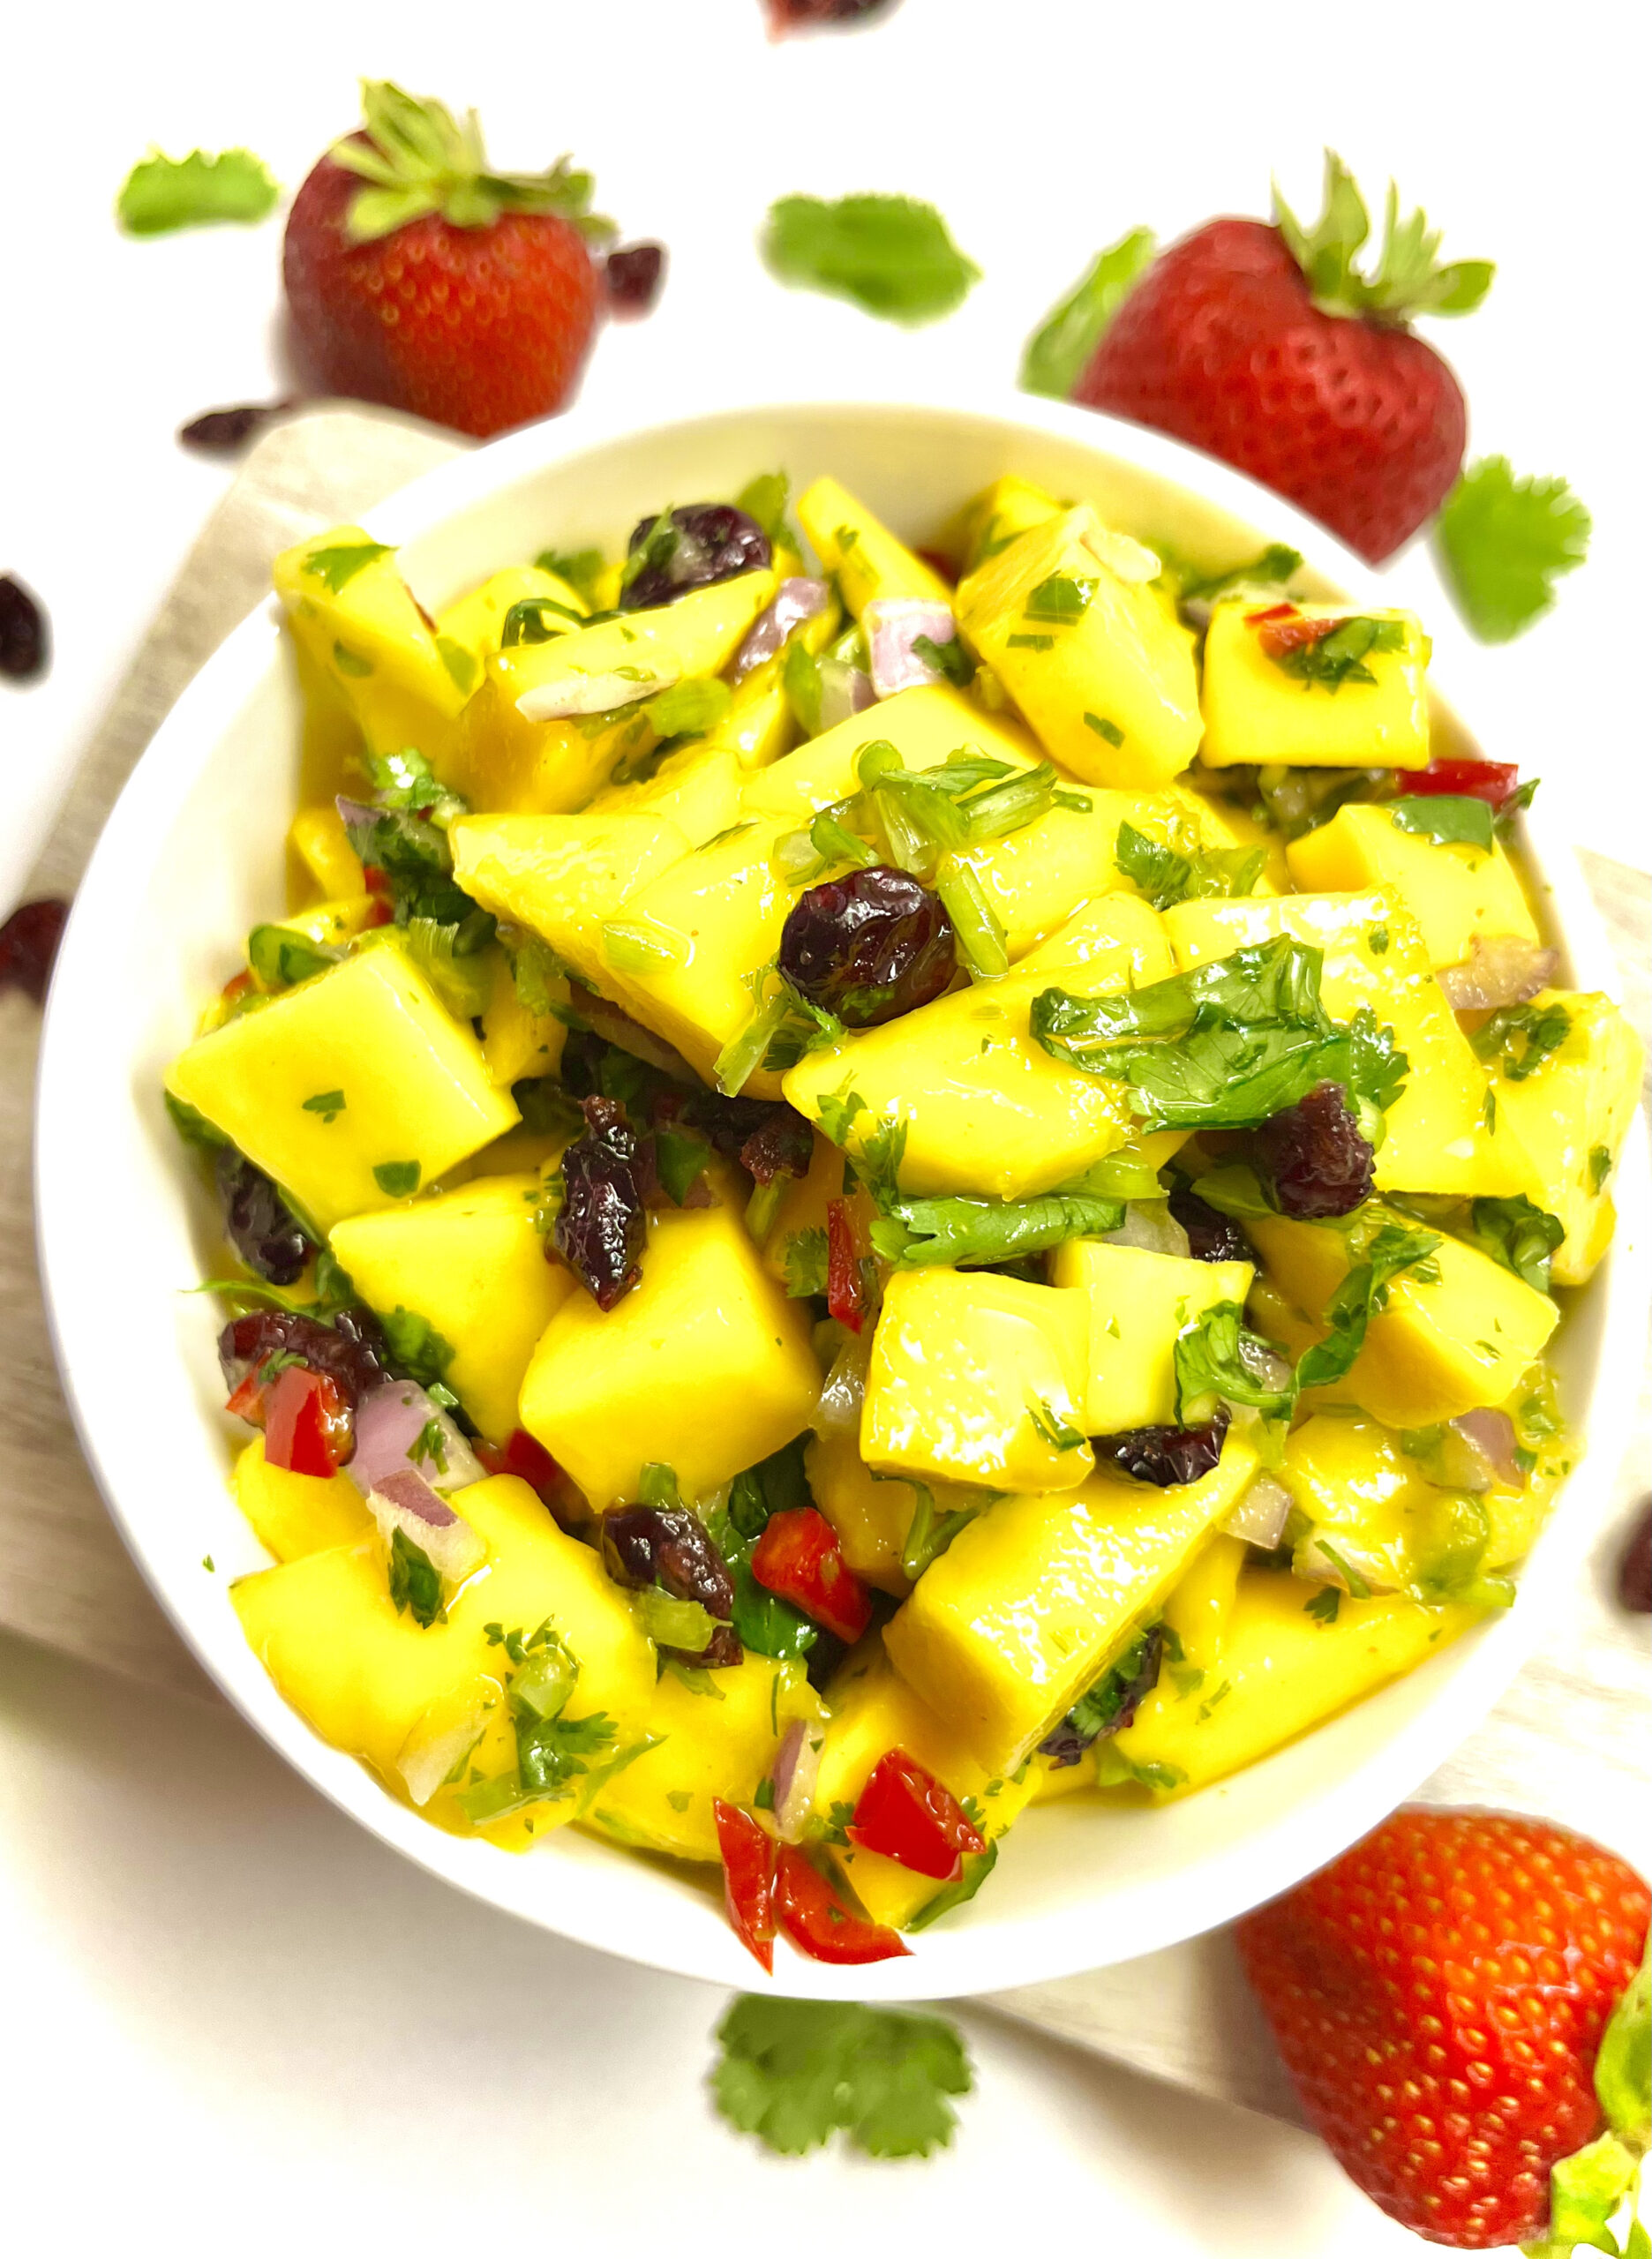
<point>670,1548</point>
<point>222,430</point>
<point>1634,1572</point>
<point>1315,1156</point>
<point>1165,1456</point>
<point>869,946</point>
<point>259,1226</point>
<point>730,1123</point>
<point>1211,1236</point>
<point>783,1145</point>
<point>28,946</point>
<point>602,1228</point>
<point>1090,1721</point>
<point>693,548</point>
<point>350,1351</point>
<point>24,640</point>
<point>798,15</point>
<point>634,274</point>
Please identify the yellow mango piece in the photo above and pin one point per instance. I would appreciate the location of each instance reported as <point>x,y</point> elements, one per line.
<point>335,922</point>
<point>698,789</point>
<point>325,1630</point>
<point>1103,671</point>
<point>319,839</point>
<point>706,1745</point>
<point>1029,1603</point>
<point>863,556</point>
<point>1436,1138</point>
<point>760,725</point>
<point>1442,1344</point>
<point>477,621</point>
<point>872,1712</point>
<point>803,1206</point>
<point>987,1110</point>
<point>519,1045</point>
<point>705,1366</point>
<point>1571,1115</point>
<point>978,1379</point>
<point>924,726</point>
<point>1255,711</point>
<point>473,1263</point>
<point>1199,1606</point>
<point>1139,1302</point>
<point>403,683</point>
<point>1009,506</point>
<point>561,876</point>
<point>714,918</point>
<point>500,760</point>
<point>295,1514</point>
<point>416,1090</point>
<point>872,1515</point>
<point>1282,1671</point>
<point>1454,890</point>
<point>614,662</point>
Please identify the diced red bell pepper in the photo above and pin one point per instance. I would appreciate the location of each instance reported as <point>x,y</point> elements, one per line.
<point>375,879</point>
<point>798,1556</point>
<point>748,1874</point>
<point>909,1816</point>
<point>308,1428</point>
<point>845,1285</point>
<point>234,989</point>
<point>1279,637</point>
<point>1270,611</point>
<point>816,1920</point>
<point>522,1455</point>
<point>383,912</point>
<point>247,1402</point>
<point>1495,781</point>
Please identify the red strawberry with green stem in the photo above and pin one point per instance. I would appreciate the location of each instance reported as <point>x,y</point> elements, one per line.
<point>1269,347</point>
<point>418,277</point>
<point>1462,2001</point>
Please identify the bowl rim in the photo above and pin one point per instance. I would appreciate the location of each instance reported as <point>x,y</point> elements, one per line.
<point>190,738</point>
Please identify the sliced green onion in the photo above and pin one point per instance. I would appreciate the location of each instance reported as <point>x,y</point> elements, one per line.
<point>657,1485</point>
<point>742,1055</point>
<point>980,935</point>
<point>544,1682</point>
<point>672,1622</point>
<point>837,844</point>
<point>643,945</point>
<point>764,1205</point>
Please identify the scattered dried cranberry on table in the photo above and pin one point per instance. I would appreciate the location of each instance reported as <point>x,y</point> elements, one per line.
<point>25,638</point>
<point>634,274</point>
<point>28,946</point>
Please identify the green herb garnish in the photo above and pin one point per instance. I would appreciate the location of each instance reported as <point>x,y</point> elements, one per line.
<point>164,193</point>
<point>795,2072</point>
<point>1504,541</point>
<point>892,255</point>
<point>1059,350</point>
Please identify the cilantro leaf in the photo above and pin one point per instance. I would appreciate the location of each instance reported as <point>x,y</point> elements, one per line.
<point>415,1350</point>
<point>766,1624</point>
<point>416,1585</point>
<point>1519,1235</point>
<point>338,566</point>
<point>1217,1357</point>
<point>1520,1037</point>
<point>1275,568</point>
<point>1059,350</point>
<point>578,567</point>
<point>795,2072</point>
<point>1164,874</point>
<point>929,1534</point>
<point>397,1179</point>
<point>1450,818</point>
<point>1339,655</point>
<point>1504,541</point>
<point>965,1231</point>
<point>803,1257</point>
<point>1323,1604</point>
<point>890,254</point>
<point>550,1752</point>
<point>1360,1297</point>
<point>162,193</point>
<point>977,1866</point>
<point>195,1130</point>
<point>765,498</point>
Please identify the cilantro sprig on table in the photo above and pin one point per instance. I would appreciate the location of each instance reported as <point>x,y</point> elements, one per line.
<point>796,2072</point>
<point>1504,541</point>
<point>162,193</point>
<point>892,255</point>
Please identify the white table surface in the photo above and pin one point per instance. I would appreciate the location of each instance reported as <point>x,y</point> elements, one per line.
<point>227,2011</point>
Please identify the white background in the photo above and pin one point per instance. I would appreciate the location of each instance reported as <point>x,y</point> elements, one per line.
<point>229,2017</point>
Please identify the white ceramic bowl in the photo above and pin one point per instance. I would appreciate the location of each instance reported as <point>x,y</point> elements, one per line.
<point>192,857</point>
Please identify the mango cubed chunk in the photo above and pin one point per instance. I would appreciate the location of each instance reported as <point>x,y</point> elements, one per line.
<point>923,726</point>
<point>1258,710</point>
<point>1436,1138</point>
<point>871,1513</point>
<point>865,557</point>
<point>1455,891</point>
<point>698,789</point>
<point>759,726</point>
<point>1199,1606</point>
<point>414,1091</point>
<point>797,1234</point>
<point>705,1746</point>
<point>319,839</point>
<point>519,1045</point>
<point>987,1111</point>
<point>1442,1344</point>
<point>326,1631</point>
<point>1139,1302</point>
<point>561,876</point>
<point>873,1711</point>
<point>705,1366</point>
<point>293,1514</point>
<point>1028,1603</point>
<point>1282,1671</point>
<point>978,1379</point>
<point>473,1263</point>
<point>1090,653</point>
<point>478,621</point>
<point>1571,1115</point>
<point>989,524</point>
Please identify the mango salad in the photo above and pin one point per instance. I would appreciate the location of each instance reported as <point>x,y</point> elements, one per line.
<point>866,1188</point>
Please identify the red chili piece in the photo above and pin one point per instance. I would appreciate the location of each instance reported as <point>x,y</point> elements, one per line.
<point>375,879</point>
<point>816,1920</point>
<point>905,1814</point>
<point>307,1426</point>
<point>1494,782</point>
<point>1272,612</point>
<point>748,1876</point>
<point>798,1556</point>
<point>846,1288</point>
<point>1278,636</point>
<point>522,1455</point>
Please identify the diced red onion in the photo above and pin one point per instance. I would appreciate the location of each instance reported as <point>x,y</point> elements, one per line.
<point>574,693</point>
<point>405,1501</point>
<point>1261,1514</point>
<point>626,1034</point>
<point>1125,557</point>
<point>1499,969</point>
<point>1491,1435</point>
<point>845,690</point>
<point>1149,1224</point>
<point>356,812</point>
<point>838,1409</point>
<point>796,1770</point>
<point>793,601</point>
<point>389,1421</point>
<point>1316,1567</point>
<point>893,624</point>
<point>429,1755</point>
<point>1265,1365</point>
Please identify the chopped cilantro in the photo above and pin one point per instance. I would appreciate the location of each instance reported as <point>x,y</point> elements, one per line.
<point>1056,1431</point>
<point>550,1752</point>
<point>1504,541</point>
<point>977,1866</point>
<point>1450,818</point>
<point>1062,597</point>
<point>339,565</point>
<point>280,955</point>
<point>537,619</point>
<point>1164,874</point>
<point>892,255</point>
<point>1275,568</point>
<point>1323,1604</point>
<point>1103,728</point>
<point>679,1160</point>
<point>765,499</point>
<point>1380,940</point>
<point>161,193</point>
<point>970,1231</point>
<point>1357,1587</point>
<point>1519,1235</point>
<point>1217,1357</point>
<point>950,659</point>
<point>417,1351</point>
<point>1339,656</point>
<point>209,1564</point>
<point>397,1179</point>
<point>689,708</point>
<point>192,1126</point>
<point>1361,1296</point>
<point>766,1624</point>
<point>328,1104</point>
<point>350,663</point>
<point>578,567</point>
<point>1030,643</point>
<point>1059,350</point>
<point>1520,1037</point>
<point>416,1587</point>
<point>929,1534</point>
<point>1600,1166</point>
<point>795,2072</point>
<point>803,1257</point>
<point>429,1447</point>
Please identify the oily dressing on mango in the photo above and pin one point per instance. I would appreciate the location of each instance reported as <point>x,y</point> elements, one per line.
<point>868,1187</point>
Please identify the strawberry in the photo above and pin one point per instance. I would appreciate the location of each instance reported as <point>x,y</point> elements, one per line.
<point>417,277</point>
<point>1268,347</point>
<point>1439,1994</point>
